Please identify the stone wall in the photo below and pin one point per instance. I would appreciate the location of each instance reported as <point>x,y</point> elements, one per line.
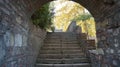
<point>72,27</point>
<point>19,38</point>
<point>107,17</point>
<point>108,33</point>
<point>108,36</point>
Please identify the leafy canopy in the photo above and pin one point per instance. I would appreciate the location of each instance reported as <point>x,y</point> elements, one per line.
<point>83,17</point>
<point>42,17</point>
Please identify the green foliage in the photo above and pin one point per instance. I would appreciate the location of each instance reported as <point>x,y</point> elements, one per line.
<point>86,22</point>
<point>82,17</point>
<point>42,17</point>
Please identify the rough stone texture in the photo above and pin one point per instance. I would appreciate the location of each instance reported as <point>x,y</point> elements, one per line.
<point>14,18</point>
<point>72,27</point>
<point>108,31</point>
<point>107,16</point>
<point>19,38</point>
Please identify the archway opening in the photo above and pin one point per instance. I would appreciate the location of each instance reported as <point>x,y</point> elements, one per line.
<point>59,15</point>
<point>20,38</point>
<point>65,16</point>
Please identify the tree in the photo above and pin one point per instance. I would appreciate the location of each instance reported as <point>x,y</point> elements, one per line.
<point>42,17</point>
<point>83,17</point>
<point>87,23</point>
<point>66,13</point>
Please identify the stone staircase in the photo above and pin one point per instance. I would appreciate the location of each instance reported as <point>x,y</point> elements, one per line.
<point>62,49</point>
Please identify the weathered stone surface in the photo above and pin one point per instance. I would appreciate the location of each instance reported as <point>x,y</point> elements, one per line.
<point>17,48</point>
<point>15,24</point>
<point>109,40</point>
<point>72,27</point>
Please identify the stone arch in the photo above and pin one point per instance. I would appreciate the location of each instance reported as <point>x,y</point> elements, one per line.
<point>20,40</point>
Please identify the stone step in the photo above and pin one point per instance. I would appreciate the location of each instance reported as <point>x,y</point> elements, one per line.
<point>63,61</point>
<point>69,42</point>
<point>59,56</point>
<point>64,65</point>
<point>61,35</point>
<point>61,48</point>
<point>62,38</point>
<point>54,33</point>
<point>60,51</point>
<point>53,45</point>
<point>91,48</point>
<point>61,42</point>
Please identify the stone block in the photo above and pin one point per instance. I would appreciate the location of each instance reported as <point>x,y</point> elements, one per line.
<point>18,40</point>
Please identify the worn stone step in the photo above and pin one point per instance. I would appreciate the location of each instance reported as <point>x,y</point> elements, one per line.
<point>69,42</point>
<point>64,65</point>
<point>67,34</point>
<point>91,48</point>
<point>60,40</point>
<point>51,40</point>
<point>61,36</point>
<point>72,42</point>
<point>60,51</point>
<point>62,61</point>
<point>70,45</point>
<point>64,34</point>
<point>55,49</point>
<point>61,48</point>
<point>61,33</point>
<point>59,56</point>
<point>63,44</point>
